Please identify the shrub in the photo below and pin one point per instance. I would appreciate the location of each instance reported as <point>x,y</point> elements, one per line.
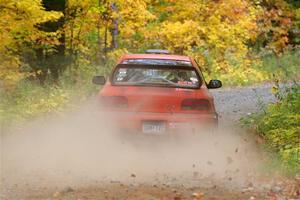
<point>280,126</point>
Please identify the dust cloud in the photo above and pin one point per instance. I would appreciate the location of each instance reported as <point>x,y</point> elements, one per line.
<point>85,147</point>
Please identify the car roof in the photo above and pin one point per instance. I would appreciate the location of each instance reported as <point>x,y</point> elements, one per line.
<point>155,56</point>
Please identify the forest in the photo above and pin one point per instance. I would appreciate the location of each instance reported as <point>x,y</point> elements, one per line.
<point>240,41</point>
<point>50,49</point>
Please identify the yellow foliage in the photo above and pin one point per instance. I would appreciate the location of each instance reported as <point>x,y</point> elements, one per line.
<point>180,36</point>
<point>18,24</point>
<point>133,17</point>
<point>218,28</point>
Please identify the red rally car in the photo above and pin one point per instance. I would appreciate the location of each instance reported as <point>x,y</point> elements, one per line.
<point>156,93</point>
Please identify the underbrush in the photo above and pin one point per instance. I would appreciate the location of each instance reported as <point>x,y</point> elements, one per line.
<point>30,99</point>
<point>279,125</point>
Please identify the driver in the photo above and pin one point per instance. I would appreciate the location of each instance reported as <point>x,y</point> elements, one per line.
<point>182,76</point>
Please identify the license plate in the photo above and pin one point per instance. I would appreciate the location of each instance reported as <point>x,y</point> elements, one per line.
<point>151,127</point>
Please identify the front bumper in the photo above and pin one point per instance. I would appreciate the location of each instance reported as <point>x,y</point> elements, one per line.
<point>133,121</point>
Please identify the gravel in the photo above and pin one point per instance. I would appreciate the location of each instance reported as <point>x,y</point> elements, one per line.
<point>234,103</point>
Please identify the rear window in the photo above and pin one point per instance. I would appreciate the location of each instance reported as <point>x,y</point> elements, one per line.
<point>157,62</point>
<point>156,76</point>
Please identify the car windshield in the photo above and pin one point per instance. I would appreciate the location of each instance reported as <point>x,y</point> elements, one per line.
<point>168,77</point>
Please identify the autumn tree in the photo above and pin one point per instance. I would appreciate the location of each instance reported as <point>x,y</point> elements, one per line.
<point>274,22</point>
<point>207,30</point>
<point>20,33</point>
<point>294,35</point>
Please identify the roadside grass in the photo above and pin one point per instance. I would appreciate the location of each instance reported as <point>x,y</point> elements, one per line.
<point>285,68</point>
<point>279,125</point>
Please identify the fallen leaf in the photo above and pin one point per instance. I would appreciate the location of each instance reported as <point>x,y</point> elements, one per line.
<point>196,196</point>
<point>236,150</point>
<point>133,175</point>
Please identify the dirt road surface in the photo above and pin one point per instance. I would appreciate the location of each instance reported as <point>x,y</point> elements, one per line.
<point>79,157</point>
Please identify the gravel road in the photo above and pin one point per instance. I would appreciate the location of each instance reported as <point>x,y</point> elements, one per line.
<point>225,173</point>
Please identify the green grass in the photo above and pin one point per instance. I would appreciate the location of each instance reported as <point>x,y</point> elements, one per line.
<point>286,67</point>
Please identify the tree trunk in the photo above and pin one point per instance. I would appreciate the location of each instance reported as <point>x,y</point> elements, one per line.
<point>115,29</point>
<point>56,60</point>
<point>98,53</point>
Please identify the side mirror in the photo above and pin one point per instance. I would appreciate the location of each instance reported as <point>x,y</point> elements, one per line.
<point>213,84</point>
<point>99,80</point>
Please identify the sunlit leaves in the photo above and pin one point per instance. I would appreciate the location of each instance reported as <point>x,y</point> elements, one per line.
<point>133,17</point>
<point>208,30</point>
<point>180,37</point>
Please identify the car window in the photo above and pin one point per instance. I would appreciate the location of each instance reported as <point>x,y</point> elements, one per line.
<point>157,62</point>
<point>169,77</point>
